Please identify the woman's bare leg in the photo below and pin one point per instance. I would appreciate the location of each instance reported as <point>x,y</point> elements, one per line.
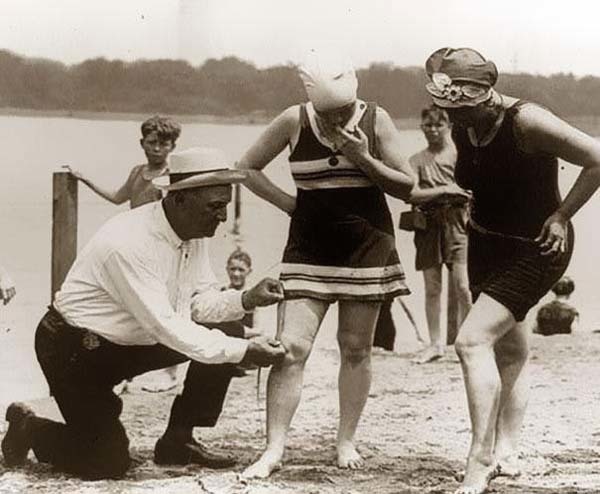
<point>487,322</point>
<point>512,357</point>
<point>355,337</point>
<point>284,387</point>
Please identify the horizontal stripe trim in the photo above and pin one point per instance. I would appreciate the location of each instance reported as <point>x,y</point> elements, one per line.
<point>357,283</point>
<point>334,297</point>
<point>322,164</point>
<point>328,174</point>
<point>328,286</point>
<point>343,288</point>
<point>332,177</point>
<point>341,271</point>
<point>334,183</point>
<point>330,279</point>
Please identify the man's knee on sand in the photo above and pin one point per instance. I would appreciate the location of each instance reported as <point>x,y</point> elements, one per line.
<point>108,454</point>
<point>98,454</point>
<point>107,466</point>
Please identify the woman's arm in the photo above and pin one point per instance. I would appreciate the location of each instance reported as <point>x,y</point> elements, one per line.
<point>392,173</point>
<point>272,141</point>
<point>421,196</point>
<point>540,131</point>
<point>118,196</point>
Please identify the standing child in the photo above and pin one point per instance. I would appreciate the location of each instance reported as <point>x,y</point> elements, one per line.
<point>159,135</point>
<point>239,267</point>
<point>443,241</point>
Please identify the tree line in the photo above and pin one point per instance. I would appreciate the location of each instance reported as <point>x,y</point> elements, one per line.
<point>231,87</point>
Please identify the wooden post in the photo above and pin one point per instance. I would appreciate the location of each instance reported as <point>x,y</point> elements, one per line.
<point>64,227</point>
<point>237,211</point>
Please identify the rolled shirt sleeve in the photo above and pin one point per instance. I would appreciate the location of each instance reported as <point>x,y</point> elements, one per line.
<point>137,287</point>
<point>209,302</point>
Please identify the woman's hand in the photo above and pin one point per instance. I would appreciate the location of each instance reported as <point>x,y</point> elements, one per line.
<point>354,145</point>
<point>553,237</point>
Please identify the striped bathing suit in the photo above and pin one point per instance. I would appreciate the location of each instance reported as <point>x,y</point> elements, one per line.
<point>341,242</point>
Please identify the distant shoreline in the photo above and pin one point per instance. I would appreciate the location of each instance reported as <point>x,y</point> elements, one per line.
<point>589,124</point>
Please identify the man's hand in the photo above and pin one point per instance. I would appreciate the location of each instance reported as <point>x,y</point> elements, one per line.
<point>263,351</point>
<point>266,292</point>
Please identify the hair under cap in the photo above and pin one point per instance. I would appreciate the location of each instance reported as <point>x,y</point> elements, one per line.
<point>329,79</point>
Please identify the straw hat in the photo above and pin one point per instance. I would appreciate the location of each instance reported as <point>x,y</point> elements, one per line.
<point>198,167</point>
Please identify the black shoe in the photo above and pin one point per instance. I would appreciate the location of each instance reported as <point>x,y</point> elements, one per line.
<point>171,452</point>
<point>18,441</point>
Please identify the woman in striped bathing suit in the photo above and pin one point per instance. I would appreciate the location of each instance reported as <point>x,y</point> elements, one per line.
<point>341,246</point>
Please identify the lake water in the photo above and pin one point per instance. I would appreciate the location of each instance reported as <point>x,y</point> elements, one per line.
<point>105,151</point>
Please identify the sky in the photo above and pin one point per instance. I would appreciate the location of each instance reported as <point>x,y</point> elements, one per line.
<point>536,36</point>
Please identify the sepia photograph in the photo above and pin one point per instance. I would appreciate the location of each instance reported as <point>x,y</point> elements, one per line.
<point>321,247</point>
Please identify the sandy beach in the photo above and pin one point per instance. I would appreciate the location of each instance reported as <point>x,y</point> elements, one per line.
<point>78,80</point>
<point>415,428</point>
<point>414,433</point>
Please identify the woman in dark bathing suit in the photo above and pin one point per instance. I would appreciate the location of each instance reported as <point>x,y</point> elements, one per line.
<point>520,240</point>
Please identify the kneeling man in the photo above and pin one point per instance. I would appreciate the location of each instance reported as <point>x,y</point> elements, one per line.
<point>126,308</point>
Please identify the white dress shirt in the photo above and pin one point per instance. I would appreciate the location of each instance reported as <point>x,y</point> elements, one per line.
<point>136,281</point>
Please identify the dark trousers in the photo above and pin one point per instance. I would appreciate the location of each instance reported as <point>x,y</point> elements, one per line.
<point>385,330</point>
<point>81,369</point>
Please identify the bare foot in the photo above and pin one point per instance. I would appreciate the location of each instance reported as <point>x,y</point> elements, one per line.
<point>477,478</point>
<point>508,466</point>
<point>261,469</point>
<point>348,457</point>
<point>429,354</point>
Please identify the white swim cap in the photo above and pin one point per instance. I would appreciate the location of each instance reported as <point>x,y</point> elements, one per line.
<point>329,79</point>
